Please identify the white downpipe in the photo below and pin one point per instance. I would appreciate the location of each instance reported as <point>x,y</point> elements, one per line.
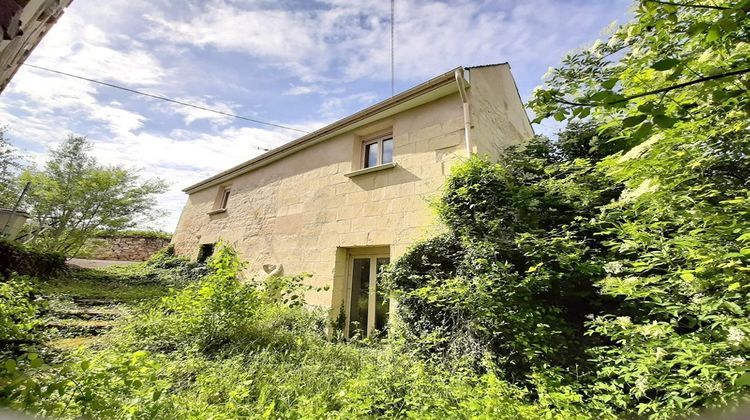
<point>467,113</point>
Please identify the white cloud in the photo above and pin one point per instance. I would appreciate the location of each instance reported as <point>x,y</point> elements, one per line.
<point>191,114</point>
<point>352,39</point>
<point>320,89</point>
<point>77,45</point>
<point>335,49</point>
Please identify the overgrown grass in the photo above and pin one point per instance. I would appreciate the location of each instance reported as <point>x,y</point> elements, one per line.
<point>100,284</point>
<point>222,348</point>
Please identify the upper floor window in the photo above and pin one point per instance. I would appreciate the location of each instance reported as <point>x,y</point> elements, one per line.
<point>225,198</point>
<point>222,200</point>
<point>377,151</point>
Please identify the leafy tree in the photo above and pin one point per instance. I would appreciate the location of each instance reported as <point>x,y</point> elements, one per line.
<point>675,82</point>
<point>658,69</point>
<point>74,196</point>
<point>515,276</point>
<point>627,241</point>
<point>9,166</point>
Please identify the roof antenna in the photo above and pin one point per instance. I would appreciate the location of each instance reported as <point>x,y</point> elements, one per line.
<point>393,72</point>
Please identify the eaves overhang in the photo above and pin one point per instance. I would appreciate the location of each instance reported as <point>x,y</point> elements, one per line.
<point>429,91</point>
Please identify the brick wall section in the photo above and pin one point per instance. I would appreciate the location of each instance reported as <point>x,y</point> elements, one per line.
<point>123,248</point>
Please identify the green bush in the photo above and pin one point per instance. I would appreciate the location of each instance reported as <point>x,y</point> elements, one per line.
<point>132,234</point>
<point>24,260</point>
<point>205,314</point>
<point>515,275</point>
<point>222,348</point>
<point>626,278</point>
<point>18,312</point>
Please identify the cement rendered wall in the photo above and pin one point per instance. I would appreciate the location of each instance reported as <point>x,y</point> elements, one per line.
<point>303,213</point>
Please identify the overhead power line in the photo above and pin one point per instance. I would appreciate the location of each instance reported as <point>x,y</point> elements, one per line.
<point>163,98</point>
<point>393,62</point>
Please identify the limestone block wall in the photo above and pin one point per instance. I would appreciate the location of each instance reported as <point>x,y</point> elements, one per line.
<point>122,248</point>
<point>297,212</point>
<point>305,212</point>
<point>497,112</point>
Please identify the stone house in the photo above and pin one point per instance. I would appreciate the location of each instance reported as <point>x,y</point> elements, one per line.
<point>342,201</point>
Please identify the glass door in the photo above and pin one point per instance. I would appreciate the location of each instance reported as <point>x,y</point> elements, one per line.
<point>367,310</point>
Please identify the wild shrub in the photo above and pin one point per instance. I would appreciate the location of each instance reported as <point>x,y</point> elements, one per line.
<point>163,268</point>
<point>515,275</point>
<point>25,260</point>
<point>105,385</point>
<point>205,314</point>
<point>265,357</point>
<point>628,276</point>
<point>18,311</point>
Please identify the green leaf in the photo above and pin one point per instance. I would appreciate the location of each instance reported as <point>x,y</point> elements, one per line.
<point>687,276</point>
<point>646,108</point>
<point>633,121</point>
<point>665,64</point>
<point>642,131</point>
<point>664,121</point>
<point>698,28</point>
<point>713,34</point>
<point>601,96</point>
<point>534,268</point>
<point>609,84</point>
<point>559,116</point>
<point>10,365</point>
<point>732,307</point>
<point>734,286</point>
<point>743,380</point>
<point>85,364</point>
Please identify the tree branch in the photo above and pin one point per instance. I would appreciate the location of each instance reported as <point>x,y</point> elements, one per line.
<point>654,92</point>
<point>697,6</point>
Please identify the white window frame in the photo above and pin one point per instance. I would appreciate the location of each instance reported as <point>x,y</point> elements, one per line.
<point>371,293</point>
<point>379,140</point>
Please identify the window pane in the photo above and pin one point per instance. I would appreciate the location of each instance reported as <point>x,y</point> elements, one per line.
<point>381,303</point>
<point>360,298</point>
<point>225,199</point>
<point>387,151</point>
<point>371,155</point>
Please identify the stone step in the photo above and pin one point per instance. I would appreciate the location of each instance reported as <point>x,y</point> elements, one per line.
<point>87,302</point>
<point>80,328</point>
<point>85,314</point>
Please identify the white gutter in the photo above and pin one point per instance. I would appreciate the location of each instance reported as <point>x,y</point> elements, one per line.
<point>467,115</point>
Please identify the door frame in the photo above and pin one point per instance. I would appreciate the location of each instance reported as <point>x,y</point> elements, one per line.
<point>371,294</point>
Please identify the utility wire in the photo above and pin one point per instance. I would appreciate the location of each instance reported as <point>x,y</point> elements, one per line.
<point>393,71</point>
<point>174,101</point>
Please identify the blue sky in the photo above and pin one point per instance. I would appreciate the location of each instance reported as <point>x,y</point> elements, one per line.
<point>297,63</point>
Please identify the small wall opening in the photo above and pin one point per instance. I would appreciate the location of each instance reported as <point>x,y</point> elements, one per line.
<point>205,252</point>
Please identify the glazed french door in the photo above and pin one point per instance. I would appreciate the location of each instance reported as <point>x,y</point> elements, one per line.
<point>367,310</point>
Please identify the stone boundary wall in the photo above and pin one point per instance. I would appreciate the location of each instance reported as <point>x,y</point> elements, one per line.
<point>122,248</point>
